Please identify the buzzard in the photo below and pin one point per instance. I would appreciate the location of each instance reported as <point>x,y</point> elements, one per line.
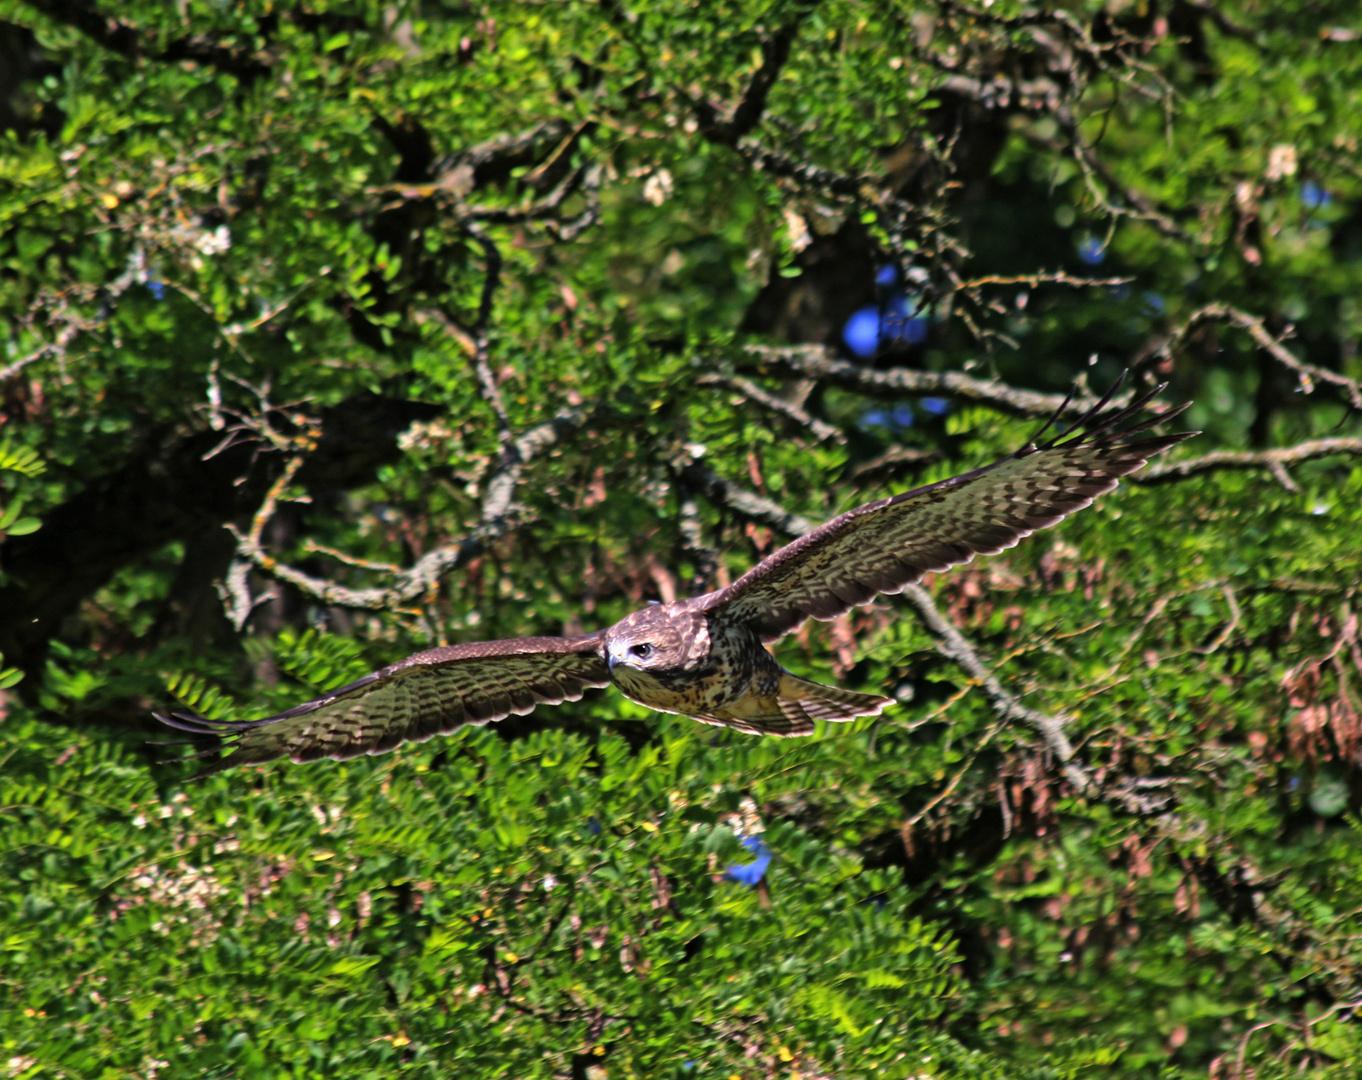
<point>705,656</point>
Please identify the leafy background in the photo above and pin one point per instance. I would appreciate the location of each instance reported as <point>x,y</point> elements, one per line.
<point>485,320</point>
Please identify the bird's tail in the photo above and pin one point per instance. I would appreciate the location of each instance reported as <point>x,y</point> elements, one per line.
<point>800,698</point>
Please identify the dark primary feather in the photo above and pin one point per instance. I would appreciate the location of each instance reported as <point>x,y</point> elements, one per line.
<point>884,545</point>
<point>430,693</point>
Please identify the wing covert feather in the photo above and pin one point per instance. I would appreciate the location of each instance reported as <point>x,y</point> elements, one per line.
<point>882,546</point>
<point>430,693</point>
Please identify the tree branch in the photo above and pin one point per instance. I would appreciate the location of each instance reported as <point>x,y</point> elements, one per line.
<point>821,362</point>
<point>1275,460</point>
<point>775,51</point>
<point>496,519</point>
<point>748,503</point>
<point>953,644</point>
<point>119,37</point>
<point>1308,374</point>
<point>486,380</point>
<point>821,429</point>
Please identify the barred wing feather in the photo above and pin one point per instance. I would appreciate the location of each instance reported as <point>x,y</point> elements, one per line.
<point>882,546</point>
<point>430,693</point>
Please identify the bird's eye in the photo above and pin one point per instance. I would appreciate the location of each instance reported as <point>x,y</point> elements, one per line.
<point>641,651</point>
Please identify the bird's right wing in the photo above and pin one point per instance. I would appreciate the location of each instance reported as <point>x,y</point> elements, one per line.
<point>430,693</point>
<point>884,545</point>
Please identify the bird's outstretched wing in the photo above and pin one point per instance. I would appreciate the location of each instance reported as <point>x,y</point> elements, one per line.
<point>427,694</point>
<point>882,546</point>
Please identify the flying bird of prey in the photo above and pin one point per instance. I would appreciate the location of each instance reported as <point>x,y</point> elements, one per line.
<point>705,656</point>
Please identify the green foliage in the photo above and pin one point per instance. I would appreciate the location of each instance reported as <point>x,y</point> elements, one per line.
<point>307,274</point>
<point>23,460</point>
<point>20,459</point>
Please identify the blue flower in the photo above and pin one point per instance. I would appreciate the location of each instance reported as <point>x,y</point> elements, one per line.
<point>1313,197</point>
<point>900,417</point>
<point>1091,251</point>
<point>750,873</point>
<point>157,289</point>
<point>873,327</point>
<point>862,332</point>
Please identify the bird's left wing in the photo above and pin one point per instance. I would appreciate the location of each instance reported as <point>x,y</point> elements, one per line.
<point>882,546</point>
<point>430,693</point>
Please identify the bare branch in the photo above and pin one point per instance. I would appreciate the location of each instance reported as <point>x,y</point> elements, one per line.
<point>702,556</point>
<point>235,592</point>
<point>62,309</point>
<point>478,164</point>
<point>748,503</point>
<point>568,231</point>
<point>1276,460</point>
<point>1100,179</point>
<point>1036,280</point>
<point>497,518</point>
<point>1308,374</point>
<point>490,392</point>
<point>821,429</point>
<point>129,41</point>
<point>546,207</point>
<point>821,362</point>
<point>775,51</point>
<point>953,644</point>
<point>815,176</point>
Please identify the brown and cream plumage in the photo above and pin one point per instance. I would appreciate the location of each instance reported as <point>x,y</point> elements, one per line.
<point>704,656</point>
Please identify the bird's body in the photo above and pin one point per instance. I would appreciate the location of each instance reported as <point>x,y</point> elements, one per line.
<point>705,664</point>
<point>705,657</point>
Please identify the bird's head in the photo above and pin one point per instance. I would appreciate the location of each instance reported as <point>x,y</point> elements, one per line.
<point>666,637</point>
